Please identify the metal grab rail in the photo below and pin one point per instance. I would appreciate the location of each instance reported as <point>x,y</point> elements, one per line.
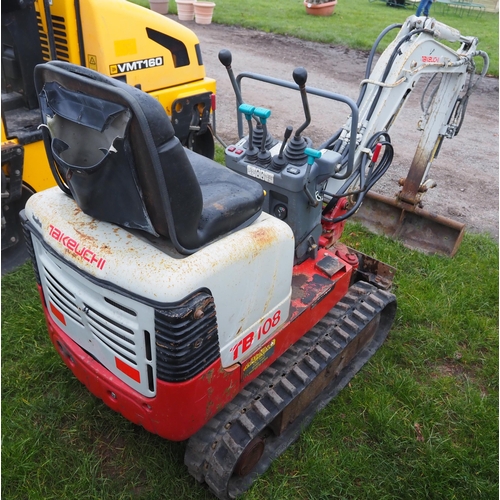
<point>310,90</point>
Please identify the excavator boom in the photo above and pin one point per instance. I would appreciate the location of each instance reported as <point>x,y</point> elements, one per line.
<point>416,52</point>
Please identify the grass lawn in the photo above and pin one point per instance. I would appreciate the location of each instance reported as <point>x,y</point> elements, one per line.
<point>420,421</point>
<point>355,23</point>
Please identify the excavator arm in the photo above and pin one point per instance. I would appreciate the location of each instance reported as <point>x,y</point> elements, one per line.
<point>417,51</point>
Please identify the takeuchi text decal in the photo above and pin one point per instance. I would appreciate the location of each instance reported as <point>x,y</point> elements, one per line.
<point>76,247</point>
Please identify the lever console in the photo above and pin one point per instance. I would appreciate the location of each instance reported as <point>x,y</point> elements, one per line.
<point>290,171</point>
<point>293,191</point>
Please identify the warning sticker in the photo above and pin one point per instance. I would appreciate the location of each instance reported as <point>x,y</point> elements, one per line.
<point>258,358</point>
<point>92,62</point>
<point>126,67</point>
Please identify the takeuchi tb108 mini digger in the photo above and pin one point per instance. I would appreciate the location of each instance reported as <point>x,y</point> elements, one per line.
<point>209,303</point>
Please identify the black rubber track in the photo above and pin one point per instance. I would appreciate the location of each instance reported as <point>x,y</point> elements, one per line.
<point>213,452</point>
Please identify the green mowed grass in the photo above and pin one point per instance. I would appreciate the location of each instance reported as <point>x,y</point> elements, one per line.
<point>419,421</point>
<point>355,23</point>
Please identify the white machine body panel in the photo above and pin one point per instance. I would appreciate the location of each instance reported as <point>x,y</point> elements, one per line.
<point>249,272</point>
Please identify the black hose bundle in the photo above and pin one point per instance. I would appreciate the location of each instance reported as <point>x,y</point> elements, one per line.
<point>369,172</point>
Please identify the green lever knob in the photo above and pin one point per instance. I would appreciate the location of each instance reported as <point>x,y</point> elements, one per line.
<point>312,154</point>
<point>262,113</point>
<point>247,110</point>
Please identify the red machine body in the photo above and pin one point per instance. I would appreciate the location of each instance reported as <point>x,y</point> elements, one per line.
<point>180,409</point>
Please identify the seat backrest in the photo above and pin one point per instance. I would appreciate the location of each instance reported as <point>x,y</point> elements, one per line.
<point>113,149</point>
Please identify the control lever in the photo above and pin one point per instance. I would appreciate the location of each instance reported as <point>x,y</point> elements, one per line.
<point>279,161</point>
<point>248,110</point>
<point>313,197</point>
<point>295,149</point>
<point>264,156</point>
<point>300,78</point>
<point>226,58</point>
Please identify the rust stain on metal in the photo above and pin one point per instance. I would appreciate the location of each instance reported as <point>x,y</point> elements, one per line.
<point>105,248</point>
<point>84,236</point>
<point>85,239</point>
<point>262,237</point>
<point>318,288</point>
<point>209,375</point>
<point>270,291</point>
<point>209,409</point>
<point>298,283</point>
<point>308,291</point>
<point>229,388</point>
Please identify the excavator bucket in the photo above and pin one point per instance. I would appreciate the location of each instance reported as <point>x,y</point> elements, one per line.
<point>414,227</point>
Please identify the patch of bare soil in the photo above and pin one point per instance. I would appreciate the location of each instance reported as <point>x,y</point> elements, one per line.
<point>466,170</point>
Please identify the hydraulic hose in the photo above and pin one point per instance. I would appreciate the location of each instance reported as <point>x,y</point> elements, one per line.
<point>330,143</point>
<point>366,179</point>
<point>374,176</point>
<point>371,56</point>
<point>392,58</point>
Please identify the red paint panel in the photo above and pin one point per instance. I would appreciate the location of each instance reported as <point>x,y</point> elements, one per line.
<point>128,370</point>
<point>180,409</point>
<point>58,314</point>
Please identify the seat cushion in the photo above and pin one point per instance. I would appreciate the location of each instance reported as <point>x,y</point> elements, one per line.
<point>230,201</point>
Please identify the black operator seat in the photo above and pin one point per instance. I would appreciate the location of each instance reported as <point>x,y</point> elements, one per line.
<point>112,148</point>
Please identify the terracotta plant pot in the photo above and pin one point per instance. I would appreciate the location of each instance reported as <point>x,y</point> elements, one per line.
<point>185,10</point>
<point>160,6</point>
<point>203,12</point>
<point>322,9</point>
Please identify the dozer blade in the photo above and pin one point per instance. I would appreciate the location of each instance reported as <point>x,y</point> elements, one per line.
<point>414,227</point>
<point>269,414</point>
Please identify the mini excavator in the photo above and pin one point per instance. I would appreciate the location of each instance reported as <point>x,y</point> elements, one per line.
<point>217,304</point>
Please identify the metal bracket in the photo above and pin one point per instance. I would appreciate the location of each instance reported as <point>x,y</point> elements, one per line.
<point>191,114</point>
<point>12,154</point>
<point>12,190</point>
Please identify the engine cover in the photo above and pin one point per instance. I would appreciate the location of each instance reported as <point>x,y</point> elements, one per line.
<point>248,274</point>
